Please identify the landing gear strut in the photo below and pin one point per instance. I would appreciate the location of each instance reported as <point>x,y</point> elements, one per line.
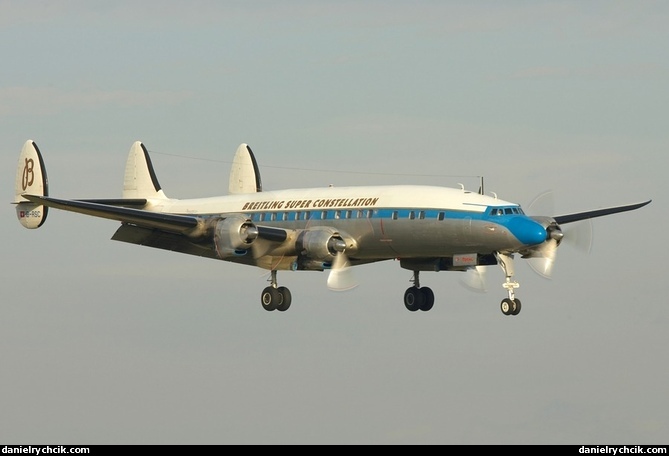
<point>275,297</point>
<point>510,305</point>
<point>417,298</point>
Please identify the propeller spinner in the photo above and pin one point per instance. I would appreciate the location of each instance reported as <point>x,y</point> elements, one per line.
<point>542,257</point>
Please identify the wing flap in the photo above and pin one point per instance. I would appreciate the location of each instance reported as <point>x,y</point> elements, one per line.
<point>162,240</point>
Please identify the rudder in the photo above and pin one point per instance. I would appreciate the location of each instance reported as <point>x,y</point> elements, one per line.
<point>244,172</point>
<point>31,179</point>
<point>140,179</point>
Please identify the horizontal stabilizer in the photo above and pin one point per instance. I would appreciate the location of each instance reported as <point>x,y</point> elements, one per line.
<point>123,202</point>
<point>172,223</point>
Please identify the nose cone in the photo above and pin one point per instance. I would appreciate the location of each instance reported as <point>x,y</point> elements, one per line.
<point>527,231</point>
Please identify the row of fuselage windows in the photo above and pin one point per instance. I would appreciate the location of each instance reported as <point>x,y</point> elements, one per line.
<point>368,214</point>
<point>311,215</point>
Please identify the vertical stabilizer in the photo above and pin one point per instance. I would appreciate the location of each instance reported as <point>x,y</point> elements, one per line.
<point>244,173</point>
<point>30,179</point>
<point>140,180</point>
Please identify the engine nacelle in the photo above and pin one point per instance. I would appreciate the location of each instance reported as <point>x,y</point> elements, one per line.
<point>234,235</point>
<point>322,244</point>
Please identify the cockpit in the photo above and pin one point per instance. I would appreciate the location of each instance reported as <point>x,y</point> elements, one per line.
<point>510,210</point>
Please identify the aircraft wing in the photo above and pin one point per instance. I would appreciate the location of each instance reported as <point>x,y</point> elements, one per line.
<point>568,218</point>
<point>168,222</point>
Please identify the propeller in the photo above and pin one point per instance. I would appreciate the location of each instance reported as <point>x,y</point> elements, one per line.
<point>475,279</point>
<point>341,277</point>
<point>542,257</point>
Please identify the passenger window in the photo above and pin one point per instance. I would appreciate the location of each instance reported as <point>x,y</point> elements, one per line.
<point>394,215</point>
<point>297,215</point>
<point>273,216</point>
<point>324,215</point>
<point>347,214</point>
<point>421,215</point>
<point>337,214</point>
<point>440,216</point>
<point>412,215</point>
<point>307,215</point>
<point>369,213</point>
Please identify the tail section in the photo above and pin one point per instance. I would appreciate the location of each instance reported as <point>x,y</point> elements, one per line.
<point>30,179</point>
<point>140,180</point>
<point>244,173</point>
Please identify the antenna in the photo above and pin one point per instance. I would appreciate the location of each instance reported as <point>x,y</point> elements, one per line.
<point>481,191</point>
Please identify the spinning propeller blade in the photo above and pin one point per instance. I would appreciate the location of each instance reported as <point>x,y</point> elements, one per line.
<point>579,235</point>
<point>341,277</point>
<point>475,279</point>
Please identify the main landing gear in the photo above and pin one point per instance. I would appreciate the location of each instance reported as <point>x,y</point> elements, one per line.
<point>275,297</point>
<point>417,298</point>
<point>510,305</point>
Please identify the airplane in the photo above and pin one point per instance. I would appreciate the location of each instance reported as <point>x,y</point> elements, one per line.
<point>425,228</point>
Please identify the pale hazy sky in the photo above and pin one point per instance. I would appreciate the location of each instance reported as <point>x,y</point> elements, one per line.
<point>103,342</point>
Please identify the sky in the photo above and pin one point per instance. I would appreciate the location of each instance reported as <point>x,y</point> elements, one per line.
<point>103,342</point>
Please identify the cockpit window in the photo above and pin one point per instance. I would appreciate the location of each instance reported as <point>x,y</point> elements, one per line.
<point>506,211</point>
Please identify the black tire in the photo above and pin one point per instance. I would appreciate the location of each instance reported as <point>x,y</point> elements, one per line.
<point>507,306</point>
<point>516,307</point>
<point>428,298</point>
<point>413,299</point>
<point>270,298</point>
<point>287,298</point>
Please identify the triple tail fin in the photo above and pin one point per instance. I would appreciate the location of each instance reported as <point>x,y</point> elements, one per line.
<point>140,180</point>
<point>31,179</point>
<point>244,172</point>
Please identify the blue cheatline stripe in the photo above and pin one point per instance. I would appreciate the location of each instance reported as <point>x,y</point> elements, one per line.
<point>385,213</point>
<point>525,229</point>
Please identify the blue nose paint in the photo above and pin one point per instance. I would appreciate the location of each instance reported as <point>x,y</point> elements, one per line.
<point>527,230</point>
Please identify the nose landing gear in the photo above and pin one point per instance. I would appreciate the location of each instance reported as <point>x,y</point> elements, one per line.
<point>510,305</point>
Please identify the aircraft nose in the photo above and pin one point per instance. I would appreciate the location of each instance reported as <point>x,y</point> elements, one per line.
<point>528,231</point>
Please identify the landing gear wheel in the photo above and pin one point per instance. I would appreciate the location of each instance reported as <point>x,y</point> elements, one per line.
<point>507,306</point>
<point>271,298</point>
<point>286,299</point>
<point>428,296</point>
<point>414,299</point>
<point>516,309</point>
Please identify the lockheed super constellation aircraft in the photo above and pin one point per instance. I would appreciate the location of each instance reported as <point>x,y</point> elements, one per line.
<point>426,228</point>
